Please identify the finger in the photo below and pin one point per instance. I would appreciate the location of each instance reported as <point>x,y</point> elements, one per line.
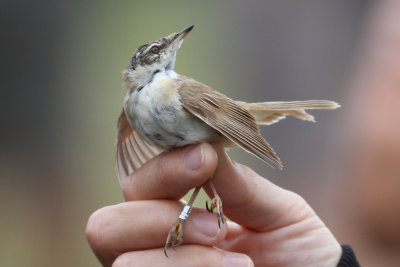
<point>253,201</point>
<point>171,174</point>
<point>188,255</point>
<point>141,225</point>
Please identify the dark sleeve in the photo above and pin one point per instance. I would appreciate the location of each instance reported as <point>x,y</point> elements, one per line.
<point>348,258</point>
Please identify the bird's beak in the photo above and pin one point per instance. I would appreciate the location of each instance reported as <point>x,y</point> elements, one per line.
<point>177,38</point>
<point>181,35</point>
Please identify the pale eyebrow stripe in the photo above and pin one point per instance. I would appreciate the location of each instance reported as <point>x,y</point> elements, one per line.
<point>150,47</point>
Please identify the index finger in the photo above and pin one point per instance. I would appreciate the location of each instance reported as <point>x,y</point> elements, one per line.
<point>252,200</point>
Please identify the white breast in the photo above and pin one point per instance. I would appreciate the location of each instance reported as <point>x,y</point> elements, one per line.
<point>158,115</point>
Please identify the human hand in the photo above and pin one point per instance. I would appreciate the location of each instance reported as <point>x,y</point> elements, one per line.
<point>270,226</point>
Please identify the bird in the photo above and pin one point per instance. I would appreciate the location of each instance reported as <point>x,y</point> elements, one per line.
<point>163,110</point>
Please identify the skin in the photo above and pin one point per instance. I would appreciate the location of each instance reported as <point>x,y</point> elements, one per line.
<point>270,226</point>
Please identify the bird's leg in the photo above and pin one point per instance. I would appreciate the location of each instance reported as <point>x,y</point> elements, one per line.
<point>175,236</point>
<point>216,204</point>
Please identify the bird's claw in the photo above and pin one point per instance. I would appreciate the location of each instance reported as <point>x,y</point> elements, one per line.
<point>175,236</point>
<point>216,204</point>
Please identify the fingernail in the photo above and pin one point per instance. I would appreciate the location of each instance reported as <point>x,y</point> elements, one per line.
<point>194,157</point>
<point>237,260</point>
<point>207,224</point>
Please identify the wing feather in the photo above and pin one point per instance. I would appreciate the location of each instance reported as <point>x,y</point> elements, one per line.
<point>233,121</point>
<point>131,150</point>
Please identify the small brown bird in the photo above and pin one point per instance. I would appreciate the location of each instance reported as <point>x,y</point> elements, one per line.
<point>163,110</point>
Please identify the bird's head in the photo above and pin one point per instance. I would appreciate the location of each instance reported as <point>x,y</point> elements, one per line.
<point>153,57</point>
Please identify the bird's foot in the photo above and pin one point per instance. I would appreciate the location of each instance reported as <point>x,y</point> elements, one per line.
<point>175,236</point>
<point>216,203</point>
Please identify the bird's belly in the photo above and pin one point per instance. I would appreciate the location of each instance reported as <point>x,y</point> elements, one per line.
<point>170,127</point>
<point>187,131</point>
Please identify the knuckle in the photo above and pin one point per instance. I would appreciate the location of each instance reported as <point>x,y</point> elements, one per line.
<point>300,205</point>
<point>298,198</point>
<point>95,227</point>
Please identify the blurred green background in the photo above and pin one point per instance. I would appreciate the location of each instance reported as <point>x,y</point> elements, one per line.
<point>61,96</point>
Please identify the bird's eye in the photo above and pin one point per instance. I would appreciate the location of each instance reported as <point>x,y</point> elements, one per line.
<point>155,49</point>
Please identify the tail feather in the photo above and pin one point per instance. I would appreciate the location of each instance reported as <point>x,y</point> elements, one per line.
<point>295,105</point>
<point>266,113</point>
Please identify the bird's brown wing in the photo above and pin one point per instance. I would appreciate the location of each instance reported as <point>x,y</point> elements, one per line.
<point>227,117</point>
<point>131,150</point>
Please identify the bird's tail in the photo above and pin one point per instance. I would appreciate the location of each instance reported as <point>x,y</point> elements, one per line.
<point>267,113</point>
